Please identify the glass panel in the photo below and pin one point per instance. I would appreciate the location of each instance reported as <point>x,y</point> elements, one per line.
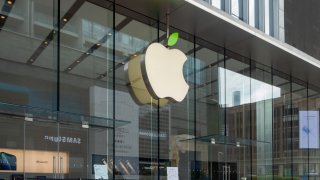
<point>11,147</point>
<point>88,150</point>
<point>210,111</point>
<point>216,3</point>
<point>267,16</point>
<point>237,103</point>
<point>74,143</point>
<point>252,13</point>
<point>262,94</point>
<point>313,168</point>
<point>237,8</point>
<point>86,58</point>
<point>180,150</point>
<point>86,89</point>
<point>137,142</point>
<point>41,150</point>
<point>27,76</point>
<point>301,130</point>
<point>282,153</point>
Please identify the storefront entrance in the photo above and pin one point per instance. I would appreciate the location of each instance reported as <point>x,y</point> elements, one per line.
<point>224,171</point>
<point>39,148</point>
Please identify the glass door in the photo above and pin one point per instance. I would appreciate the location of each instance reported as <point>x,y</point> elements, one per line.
<point>41,157</point>
<point>43,145</point>
<point>73,151</point>
<point>67,150</point>
<point>85,151</point>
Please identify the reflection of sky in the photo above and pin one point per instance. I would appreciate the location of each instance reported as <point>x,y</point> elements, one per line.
<point>253,12</point>
<point>237,82</point>
<point>216,3</point>
<point>235,8</point>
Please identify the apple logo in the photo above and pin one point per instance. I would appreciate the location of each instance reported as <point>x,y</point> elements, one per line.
<point>162,70</point>
<point>137,87</point>
<point>156,76</point>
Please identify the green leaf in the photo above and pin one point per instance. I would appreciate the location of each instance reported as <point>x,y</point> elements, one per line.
<point>173,39</point>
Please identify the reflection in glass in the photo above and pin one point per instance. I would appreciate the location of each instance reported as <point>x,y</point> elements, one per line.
<point>235,93</point>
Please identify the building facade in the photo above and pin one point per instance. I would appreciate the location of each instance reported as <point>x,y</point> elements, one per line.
<point>67,110</point>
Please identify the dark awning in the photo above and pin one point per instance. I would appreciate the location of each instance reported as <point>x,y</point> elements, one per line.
<point>206,22</point>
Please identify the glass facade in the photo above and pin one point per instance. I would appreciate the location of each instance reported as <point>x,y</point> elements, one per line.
<point>265,15</point>
<point>67,110</point>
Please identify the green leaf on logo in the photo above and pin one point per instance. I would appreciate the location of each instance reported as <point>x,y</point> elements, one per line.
<point>173,39</point>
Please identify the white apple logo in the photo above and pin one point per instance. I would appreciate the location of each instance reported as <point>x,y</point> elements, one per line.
<point>136,85</point>
<point>162,71</point>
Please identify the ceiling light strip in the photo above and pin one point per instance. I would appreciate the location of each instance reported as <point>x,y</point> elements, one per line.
<point>97,45</point>
<point>63,21</point>
<point>5,11</point>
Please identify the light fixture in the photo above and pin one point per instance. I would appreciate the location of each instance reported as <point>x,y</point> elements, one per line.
<point>135,55</point>
<point>238,144</point>
<point>46,43</point>
<point>31,60</point>
<point>110,34</point>
<point>28,117</point>
<point>87,53</point>
<point>9,2</point>
<point>213,141</point>
<point>69,68</point>
<point>85,124</point>
<point>77,61</point>
<point>65,19</point>
<point>3,17</point>
<point>98,44</point>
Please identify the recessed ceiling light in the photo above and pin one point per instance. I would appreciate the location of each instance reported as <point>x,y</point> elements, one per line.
<point>213,141</point>
<point>3,17</point>
<point>135,55</point>
<point>98,44</point>
<point>45,42</point>
<point>9,2</point>
<point>31,60</point>
<point>77,61</point>
<point>110,34</point>
<point>69,68</point>
<point>85,124</point>
<point>87,53</point>
<point>65,19</point>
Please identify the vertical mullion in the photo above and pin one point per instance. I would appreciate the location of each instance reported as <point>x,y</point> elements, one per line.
<point>58,26</point>
<point>158,111</point>
<point>291,124</point>
<point>114,84</point>
<point>225,91</point>
<point>272,123</point>
<point>225,104</point>
<point>308,127</point>
<point>194,101</point>
<point>58,58</point>
<point>250,117</point>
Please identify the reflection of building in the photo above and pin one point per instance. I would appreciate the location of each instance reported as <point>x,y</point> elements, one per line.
<point>64,90</point>
<point>236,98</point>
